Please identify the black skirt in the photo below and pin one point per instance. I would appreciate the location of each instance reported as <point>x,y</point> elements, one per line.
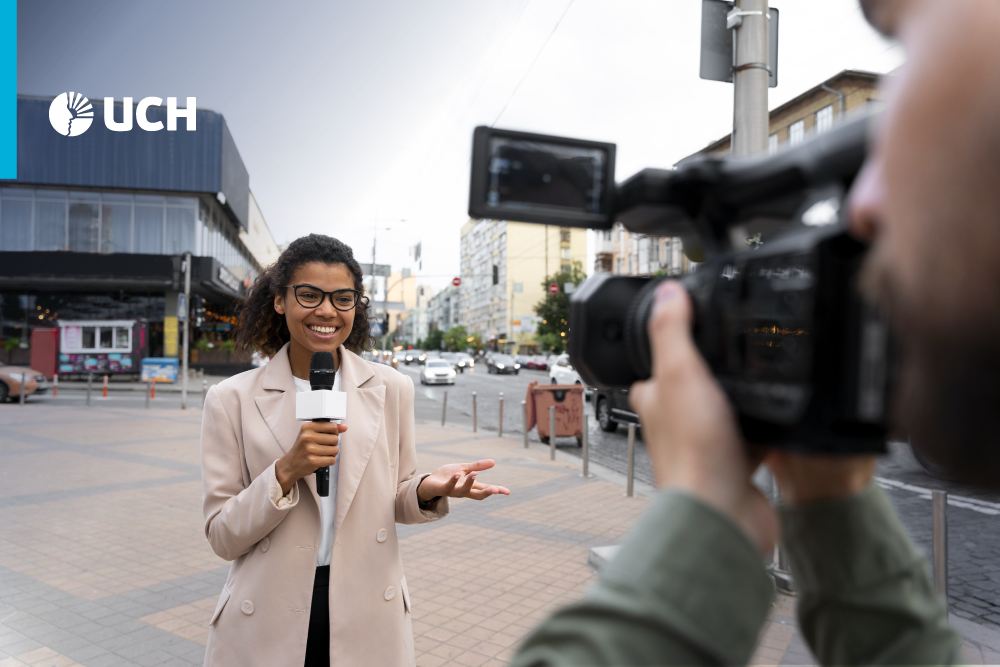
<point>318,643</point>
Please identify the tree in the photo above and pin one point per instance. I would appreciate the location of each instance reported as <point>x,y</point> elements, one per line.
<point>434,339</point>
<point>553,310</point>
<point>455,339</point>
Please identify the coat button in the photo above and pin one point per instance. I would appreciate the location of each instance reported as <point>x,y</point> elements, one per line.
<point>390,593</point>
<point>247,607</point>
<point>382,535</point>
<point>265,544</point>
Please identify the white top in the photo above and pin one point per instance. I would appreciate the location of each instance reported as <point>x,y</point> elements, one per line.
<point>328,504</point>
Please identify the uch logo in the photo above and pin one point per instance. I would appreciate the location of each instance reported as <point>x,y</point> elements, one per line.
<point>71,114</point>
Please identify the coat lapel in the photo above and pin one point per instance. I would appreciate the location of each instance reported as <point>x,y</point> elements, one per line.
<point>365,408</point>
<point>276,403</point>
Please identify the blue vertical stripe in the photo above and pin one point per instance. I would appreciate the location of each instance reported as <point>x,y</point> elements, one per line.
<point>8,88</point>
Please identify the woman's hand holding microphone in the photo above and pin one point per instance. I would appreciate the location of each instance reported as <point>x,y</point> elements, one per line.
<point>316,447</point>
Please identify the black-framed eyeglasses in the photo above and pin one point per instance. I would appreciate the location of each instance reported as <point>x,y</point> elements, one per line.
<point>310,296</point>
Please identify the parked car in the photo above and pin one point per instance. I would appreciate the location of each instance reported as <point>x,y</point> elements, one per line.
<point>612,408</point>
<point>438,371</point>
<point>502,363</point>
<point>35,383</point>
<point>562,372</point>
<point>537,362</point>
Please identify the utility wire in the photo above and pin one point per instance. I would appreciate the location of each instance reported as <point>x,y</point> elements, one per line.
<point>533,63</point>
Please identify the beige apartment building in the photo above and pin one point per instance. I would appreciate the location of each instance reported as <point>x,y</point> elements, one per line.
<point>814,111</point>
<point>503,267</point>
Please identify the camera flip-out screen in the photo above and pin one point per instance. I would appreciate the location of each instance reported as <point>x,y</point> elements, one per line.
<point>538,178</point>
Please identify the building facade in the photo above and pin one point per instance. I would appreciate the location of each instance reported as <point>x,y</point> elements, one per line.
<point>94,231</point>
<point>814,111</point>
<point>504,266</point>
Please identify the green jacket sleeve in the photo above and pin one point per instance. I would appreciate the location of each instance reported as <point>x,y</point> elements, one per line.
<point>865,595</point>
<point>686,588</point>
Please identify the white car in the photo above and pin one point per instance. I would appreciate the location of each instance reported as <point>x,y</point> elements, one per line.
<point>561,372</point>
<point>438,371</point>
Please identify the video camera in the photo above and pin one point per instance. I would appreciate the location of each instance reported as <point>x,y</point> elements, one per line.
<point>805,362</point>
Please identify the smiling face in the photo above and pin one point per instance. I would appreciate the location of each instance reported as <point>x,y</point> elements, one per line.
<point>320,329</point>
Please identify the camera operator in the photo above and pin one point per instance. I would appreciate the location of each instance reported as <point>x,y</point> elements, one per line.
<point>688,586</point>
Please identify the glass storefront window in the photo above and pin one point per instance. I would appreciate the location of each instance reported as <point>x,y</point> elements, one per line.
<point>88,338</point>
<point>50,225</point>
<point>148,229</point>
<point>180,230</point>
<point>84,226</point>
<point>116,228</point>
<point>15,224</point>
<point>107,337</point>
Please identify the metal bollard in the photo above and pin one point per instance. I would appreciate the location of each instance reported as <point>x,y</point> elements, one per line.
<point>500,421</point>
<point>475,420</point>
<point>552,433</point>
<point>630,479</point>
<point>939,539</point>
<point>149,390</point>
<point>444,407</point>
<point>586,445</point>
<point>90,382</point>
<point>24,381</point>
<point>55,385</point>
<point>524,426</point>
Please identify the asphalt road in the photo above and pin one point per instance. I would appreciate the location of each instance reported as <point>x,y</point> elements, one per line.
<point>973,517</point>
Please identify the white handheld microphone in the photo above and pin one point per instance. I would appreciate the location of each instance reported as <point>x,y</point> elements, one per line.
<point>322,404</point>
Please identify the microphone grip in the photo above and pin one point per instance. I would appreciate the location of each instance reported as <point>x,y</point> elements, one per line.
<point>322,474</point>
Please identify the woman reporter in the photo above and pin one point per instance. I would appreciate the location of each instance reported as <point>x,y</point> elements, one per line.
<point>315,579</point>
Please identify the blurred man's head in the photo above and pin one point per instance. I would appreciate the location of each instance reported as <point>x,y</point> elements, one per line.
<point>929,198</point>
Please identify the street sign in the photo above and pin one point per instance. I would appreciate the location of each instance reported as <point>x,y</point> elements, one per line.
<point>456,281</point>
<point>182,309</point>
<point>553,288</point>
<point>717,42</point>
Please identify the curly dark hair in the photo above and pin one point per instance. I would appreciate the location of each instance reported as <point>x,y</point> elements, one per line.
<point>262,329</point>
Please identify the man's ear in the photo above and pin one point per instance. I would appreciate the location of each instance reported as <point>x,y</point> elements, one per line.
<point>279,304</point>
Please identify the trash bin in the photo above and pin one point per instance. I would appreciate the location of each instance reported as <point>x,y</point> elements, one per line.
<point>568,399</point>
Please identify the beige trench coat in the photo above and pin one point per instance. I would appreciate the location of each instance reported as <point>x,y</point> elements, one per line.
<point>262,616</point>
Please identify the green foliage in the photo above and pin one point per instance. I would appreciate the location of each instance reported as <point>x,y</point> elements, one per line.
<point>202,344</point>
<point>551,342</point>
<point>455,339</point>
<point>228,345</point>
<point>433,341</point>
<point>10,344</point>
<point>553,310</point>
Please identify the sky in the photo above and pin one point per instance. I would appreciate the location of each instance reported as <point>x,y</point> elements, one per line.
<point>355,119</point>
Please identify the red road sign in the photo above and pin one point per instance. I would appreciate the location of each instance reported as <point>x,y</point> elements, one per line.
<point>456,281</point>
<point>553,288</point>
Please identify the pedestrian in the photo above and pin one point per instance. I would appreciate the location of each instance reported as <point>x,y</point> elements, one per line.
<point>688,586</point>
<point>314,580</point>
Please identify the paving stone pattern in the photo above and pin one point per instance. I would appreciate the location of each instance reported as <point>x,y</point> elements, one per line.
<point>103,561</point>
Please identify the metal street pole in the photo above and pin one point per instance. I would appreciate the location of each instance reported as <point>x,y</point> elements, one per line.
<point>750,76</point>
<point>185,335</point>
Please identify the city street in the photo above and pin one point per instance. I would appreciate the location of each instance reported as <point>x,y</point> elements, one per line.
<point>974,526</point>
<point>973,517</point>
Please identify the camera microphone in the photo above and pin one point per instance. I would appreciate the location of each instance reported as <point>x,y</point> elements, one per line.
<point>322,404</point>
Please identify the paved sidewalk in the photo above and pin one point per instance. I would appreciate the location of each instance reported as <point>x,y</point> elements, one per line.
<point>103,562</point>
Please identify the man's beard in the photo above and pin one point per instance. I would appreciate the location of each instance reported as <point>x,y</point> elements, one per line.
<point>947,398</point>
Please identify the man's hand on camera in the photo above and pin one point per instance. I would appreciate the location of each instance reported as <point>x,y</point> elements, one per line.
<point>690,430</point>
